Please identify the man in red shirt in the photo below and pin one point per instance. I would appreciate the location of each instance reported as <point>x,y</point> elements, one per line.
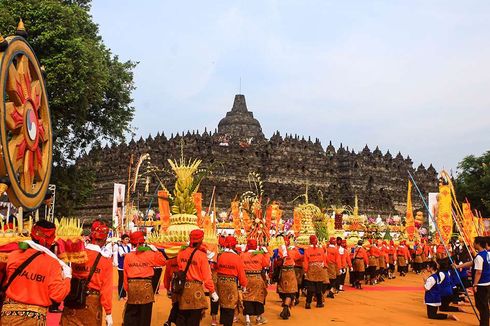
<point>418,261</point>
<point>298,267</point>
<point>193,301</point>
<point>255,263</point>
<point>287,286</point>
<point>230,273</point>
<point>345,263</point>
<point>332,261</point>
<point>313,263</point>
<point>100,286</point>
<point>43,281</point>
<point>391,260</point>
<point>383,260</point>
<point>359,262</point>
<point>138,273</point>
<point>403,258</point>
<point>171,267</point>
<point>373,258</point>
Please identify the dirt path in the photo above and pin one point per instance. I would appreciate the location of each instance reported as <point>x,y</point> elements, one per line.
<point>395,302</point>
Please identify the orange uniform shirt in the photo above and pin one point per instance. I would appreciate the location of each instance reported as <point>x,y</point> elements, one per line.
<point>333,256</point>
<point>313,255</point>
<point>291,257</point>
<point>384,252</point>
<point>254,261</point>
<point>40,282</point>
<point>230,264</point>
<point>345,260</point>
<point>374,251</point>
<point>392,250</point>
<point>403,251</point>
<point>298,261</point>
<point>419,250</point>
<point>101,280</point>
<point>139,264</point>
<point>426,250</point>
<point>199,269</point>
<point>360,253</point>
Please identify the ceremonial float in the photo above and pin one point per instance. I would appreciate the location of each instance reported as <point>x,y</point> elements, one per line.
<point>186,209</point>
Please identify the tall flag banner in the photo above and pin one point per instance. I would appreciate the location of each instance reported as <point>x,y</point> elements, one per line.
<point>247,221</point>
<point>444,211</point>
<point>118,214</point>
<point>276,216</point>
<point>235,214</point>
<point>197,199</point>
<point>409,219</point>
<point>469,223</point>
<point>164,207</point>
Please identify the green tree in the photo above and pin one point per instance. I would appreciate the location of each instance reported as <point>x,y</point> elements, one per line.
<point>89,88</point>
<point>473,182</point>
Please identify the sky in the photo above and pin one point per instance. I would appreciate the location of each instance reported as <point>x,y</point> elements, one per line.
<point>409,76</point>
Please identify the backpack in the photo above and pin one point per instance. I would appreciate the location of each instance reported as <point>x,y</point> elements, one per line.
<point>77,297</point>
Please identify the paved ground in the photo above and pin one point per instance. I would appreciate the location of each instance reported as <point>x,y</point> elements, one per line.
<point>395,302</point>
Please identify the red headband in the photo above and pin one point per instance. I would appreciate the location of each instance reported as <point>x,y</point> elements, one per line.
<point>230,242</point>
<point>45,236</point>
<point>196,236</point>
<point>99,231</point>
<point>137,238</point>
<point>251,244</point>
<point>313,240</point>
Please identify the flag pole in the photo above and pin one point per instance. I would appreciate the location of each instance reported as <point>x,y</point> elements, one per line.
<point>442,241</point>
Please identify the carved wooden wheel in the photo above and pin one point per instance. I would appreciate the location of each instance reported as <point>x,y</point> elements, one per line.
<point>25,125</point>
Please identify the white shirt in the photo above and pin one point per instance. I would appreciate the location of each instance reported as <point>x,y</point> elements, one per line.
<point>478,265</point>
<point>429,283</point>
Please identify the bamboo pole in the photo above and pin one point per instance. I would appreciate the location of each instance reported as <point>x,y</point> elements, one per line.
<point>442,241</point>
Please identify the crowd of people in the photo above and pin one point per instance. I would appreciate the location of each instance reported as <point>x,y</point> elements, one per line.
<point>232,281</point>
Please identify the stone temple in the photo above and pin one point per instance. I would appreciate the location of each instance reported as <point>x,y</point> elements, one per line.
<point>286,163</point>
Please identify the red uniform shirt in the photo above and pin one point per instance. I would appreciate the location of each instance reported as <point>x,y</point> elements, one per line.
<point>199,269</point>
<point>419,250</point>
<point>101,280</point>
<point>360,253</point>
<point>230,264</point>
<point>392,250</point>
<point>254,261</point>
<point>374,251</point>
<point>139,264</point>
<point>403,251</point>
<point>344,258</point>
<point>298,260</point>
<point>333,256</point>
<point>313,255</point>
<point>40,282</point>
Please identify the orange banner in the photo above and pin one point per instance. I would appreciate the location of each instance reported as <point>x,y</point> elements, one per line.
<point>444,213</point>
<point>235,214</point>
<point>409,220</point>
<point>164,207</point>
<point>469,224</point>
<point>276,216</point>
<point>197,198</point>
<point>247,221</point>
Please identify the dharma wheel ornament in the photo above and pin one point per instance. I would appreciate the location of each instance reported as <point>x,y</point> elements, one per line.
<point>25,123</point>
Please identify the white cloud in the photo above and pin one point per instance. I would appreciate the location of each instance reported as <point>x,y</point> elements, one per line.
<point>411,77</point>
